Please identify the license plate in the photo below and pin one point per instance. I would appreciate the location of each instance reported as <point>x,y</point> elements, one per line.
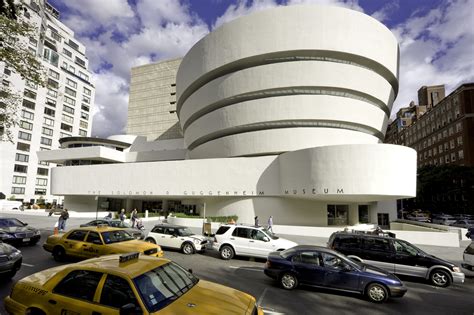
<point>26,239</point>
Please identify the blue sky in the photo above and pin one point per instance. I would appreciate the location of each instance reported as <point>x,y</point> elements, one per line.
<point>436,40</point>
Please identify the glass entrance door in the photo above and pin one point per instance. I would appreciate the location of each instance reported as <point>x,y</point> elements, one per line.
<point>338,214</point>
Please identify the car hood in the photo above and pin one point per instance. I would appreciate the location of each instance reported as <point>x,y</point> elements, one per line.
<point>211,298</point>
<point>282,243</point>
<point>375,271</point>
<point>16,229</point>
<point>132,246</point>
<point>6,249</point>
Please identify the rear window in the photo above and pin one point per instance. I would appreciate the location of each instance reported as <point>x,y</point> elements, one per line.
<point>377,244</point>
<point>470,249</point>
<point>222,230</point>
<point>347,242</point>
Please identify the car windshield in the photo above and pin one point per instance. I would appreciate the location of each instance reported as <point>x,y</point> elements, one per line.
<point>116,236</point>
<point>185,232</point>
<point>271,234</point>
<point>10,222</point>
<point>161,286</point>
<point>120,224</point>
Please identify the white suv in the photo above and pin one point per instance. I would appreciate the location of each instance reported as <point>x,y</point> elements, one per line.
<point>245,240</point>
<point>176,236</point>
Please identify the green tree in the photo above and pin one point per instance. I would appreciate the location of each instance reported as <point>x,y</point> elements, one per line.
<point>15,32</point>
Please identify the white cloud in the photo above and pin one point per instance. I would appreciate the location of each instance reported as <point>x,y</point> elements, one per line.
<point>384,13</point>
<point>436,48</point>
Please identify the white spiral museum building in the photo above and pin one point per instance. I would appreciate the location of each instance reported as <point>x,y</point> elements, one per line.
<point>283,113</point>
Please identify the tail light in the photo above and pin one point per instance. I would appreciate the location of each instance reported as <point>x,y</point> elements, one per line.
<point>268,264</point>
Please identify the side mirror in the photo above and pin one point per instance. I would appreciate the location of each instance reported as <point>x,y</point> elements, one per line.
<point>127,309</point>
<point>266,239</point>
<point>347,268</point>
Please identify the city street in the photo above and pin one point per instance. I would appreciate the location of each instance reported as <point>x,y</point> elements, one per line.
<point>247,275</point>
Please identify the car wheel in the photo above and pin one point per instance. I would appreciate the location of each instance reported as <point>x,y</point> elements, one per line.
<point>288,281</point>
<point>376,293</point>
<point>59,254</point>
<point>227,252</point>
<point>150,240</point>
<point>187,248</point>
<point>440,278</point>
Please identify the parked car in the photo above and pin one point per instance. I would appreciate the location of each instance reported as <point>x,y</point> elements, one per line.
<point>470,233</point>
<point>16,232</point>
<point>88,242</point>
<point>10,260</point>
<point>468,260</point>
<point>396,256</point>
<point>125,284</point>
<point>322,267</point>
<point>464,223</point>
<point>136,233</point>
<point>244,240</point>
<point>178,237</point>
<point>419,217</point>
<point>444,219</point>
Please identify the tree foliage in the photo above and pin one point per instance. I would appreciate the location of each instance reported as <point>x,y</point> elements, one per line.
<point>15,31</point>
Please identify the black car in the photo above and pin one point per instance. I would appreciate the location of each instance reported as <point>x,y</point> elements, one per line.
<point>396,256</point>
<point>136,233</point>
<point>10,260</point>
<point>326,268</point>
<point>14,231</point>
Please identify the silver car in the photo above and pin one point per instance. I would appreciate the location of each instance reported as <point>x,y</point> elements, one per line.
<point>10,260</point>
<point>464,223</point>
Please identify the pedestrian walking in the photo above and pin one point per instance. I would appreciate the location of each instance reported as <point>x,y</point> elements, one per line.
<point>62,220</point>
<point>134,217</point>
<point>256,220</point>
<point>122,215</point>
<point>270,224</point>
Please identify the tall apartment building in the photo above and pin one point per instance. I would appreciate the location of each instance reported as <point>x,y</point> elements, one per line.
<point>152,101</point>
<point>62,109</point>
<point>429,96</point>
<point>441,133</point>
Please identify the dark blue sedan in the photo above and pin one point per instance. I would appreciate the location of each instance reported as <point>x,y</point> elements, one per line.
<point>326,268</point>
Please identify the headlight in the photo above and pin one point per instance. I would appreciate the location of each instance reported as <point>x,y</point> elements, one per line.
<point>197,242</point>
<point>456,269</point>
<point>4,236</point>
<point>14,255</point>
<point>37,232</point>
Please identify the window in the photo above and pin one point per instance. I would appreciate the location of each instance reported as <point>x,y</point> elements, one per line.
<point>67,52</point>
<point>40,191</point>
<point>222,230</point>
<point>51,56</point>
<point>66,127</point>
<point>80,62</point>
<point>73,44</point>
<point>33,41</point>
<point>461,154</point>
<point>69,100</point>
<point>42,182</point>
<point>53,84</point>
<point>42,171</point>
<point>19,180</point>
<point>26,125</point>
<point>67,119</point>
<point>54,74</point>
<point>49,111</point>
<point>77,235</point>
<point>47,131</point>
<point>349,242</point>
<point>70,91</point>
<point>404,248</point>
<point>71,83</point>
<point>82,133</point>
<point>337,214</point>
<point>87,91</point>
<point>20,168</point>
<point>31,85</point>
<point>23,146</point>
<point>79,284</point>
<point>21,157</point>
<point>68,109</point>
<point>29,93</point>
<point>83,76</point>
<point>459,140</point>
<point>333,262</point>
<point>24,135</point>
<point>28,104</point>
<point>116,292</point>
<point>83,124</point>
<point>50,102</point>
<point>363,214</point>
<point>310,258</point>
<point>72,69</point>
<point>84,115</point>
<point>453,157</point>
<point>376,244</point>
<point>52,93</point>
<point>48,121</point>
<point>241,232</point>
<point>18,190</point>
<point>93,237</point>
<point>158,229</point>
<point>451,144</point>
<point>46,141</point>
<point>85,107</point>
<point>86,99</point>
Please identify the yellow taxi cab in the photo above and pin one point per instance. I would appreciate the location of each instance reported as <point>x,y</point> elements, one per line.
<point>89,242</point>
<point>127,284</point>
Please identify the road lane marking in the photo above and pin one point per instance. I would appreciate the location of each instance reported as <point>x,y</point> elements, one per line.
<point>27,265</point>
<point>247,268</point>
<point>260,299</point>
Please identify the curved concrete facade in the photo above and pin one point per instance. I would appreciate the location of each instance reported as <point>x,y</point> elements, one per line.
<point>287,72</point>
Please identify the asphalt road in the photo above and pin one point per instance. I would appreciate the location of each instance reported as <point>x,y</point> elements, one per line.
<point>247,275</point>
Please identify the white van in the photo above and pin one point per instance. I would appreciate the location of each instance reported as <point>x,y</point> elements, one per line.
<point>10,205</point>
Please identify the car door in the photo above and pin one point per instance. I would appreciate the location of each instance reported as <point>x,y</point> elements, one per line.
<point>409,261</point>
<point>339,274</point>
<point>378,251</point>
<point>73,243</point>
<point>74,294</point>
<point>240,240</point>
<point>259,244</point>
<point>117,292</point>
<point>93,245</point>
<point>158,233</point>
<point>171,236</point>
<point>308,267</point>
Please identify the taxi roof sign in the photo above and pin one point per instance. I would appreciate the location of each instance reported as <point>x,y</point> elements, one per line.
<point>128,257</point>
